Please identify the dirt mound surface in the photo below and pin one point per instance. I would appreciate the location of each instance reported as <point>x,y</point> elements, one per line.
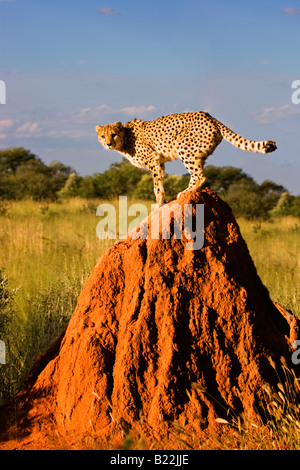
<point>161,333</point>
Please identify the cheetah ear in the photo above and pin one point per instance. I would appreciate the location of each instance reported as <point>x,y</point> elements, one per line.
<point>119,125</point>
<point>98,128</point>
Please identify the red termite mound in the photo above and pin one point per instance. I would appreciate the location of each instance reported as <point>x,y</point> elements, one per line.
<point>161,333</point>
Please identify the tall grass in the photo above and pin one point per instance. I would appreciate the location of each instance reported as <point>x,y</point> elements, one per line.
<point>275,249</point>
<point>48,250</point>
<point>40,244</point>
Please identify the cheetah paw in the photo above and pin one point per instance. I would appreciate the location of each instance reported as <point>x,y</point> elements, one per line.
<point>182,193</point>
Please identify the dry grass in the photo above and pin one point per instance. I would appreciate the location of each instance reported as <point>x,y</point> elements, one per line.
<point>275,249</point>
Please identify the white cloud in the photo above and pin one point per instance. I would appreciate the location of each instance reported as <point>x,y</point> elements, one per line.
<point>108,113</point>
<point>5,123</point>
<point>291,11</point>
<point>78,125</point>
<point>269,115</point>
<point>72,134</point>
<point>108,11</point>
<point>28,129</point>
<point>137,110</point>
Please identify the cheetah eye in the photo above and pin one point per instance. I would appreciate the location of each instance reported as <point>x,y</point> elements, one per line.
<point>103,137</point>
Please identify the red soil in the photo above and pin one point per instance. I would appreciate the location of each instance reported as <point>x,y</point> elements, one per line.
<point>160,333</point>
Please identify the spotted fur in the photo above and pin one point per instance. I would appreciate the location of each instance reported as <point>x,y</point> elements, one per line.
<point>192,137</point>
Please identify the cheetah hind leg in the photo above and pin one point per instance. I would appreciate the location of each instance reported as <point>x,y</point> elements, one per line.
<point>197,177</point>
<point>196,182</point>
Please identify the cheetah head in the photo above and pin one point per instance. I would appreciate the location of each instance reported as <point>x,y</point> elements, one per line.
<point>111,136</point>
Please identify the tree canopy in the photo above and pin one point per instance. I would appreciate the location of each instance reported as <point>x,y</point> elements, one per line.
<point>24,175</point>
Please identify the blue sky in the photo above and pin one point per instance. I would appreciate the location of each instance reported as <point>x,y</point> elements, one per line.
<point>69,65</point>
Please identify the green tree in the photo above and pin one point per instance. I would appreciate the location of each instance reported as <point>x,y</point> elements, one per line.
<point>12,157</point>
<point>221,178</point>
<point>269,188</point>
<point>271,192</point>
<point>7,186</point>
<point>102,186</point>
<point>71,186</point>
<point>246,200</point>
<point>295,209</point>
<point>144,188</point>
<point>10,160</point>
<point>121,179</point>
<point>174,184</point>
<point>287,205</point>
<point>60,173</point>
<point>23,174</point>
<point>39,181</point>
<point>86,187</point>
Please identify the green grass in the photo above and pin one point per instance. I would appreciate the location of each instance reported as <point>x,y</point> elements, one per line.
<point>48,250</point>
<point>275,249</point>
<point>41,244</point>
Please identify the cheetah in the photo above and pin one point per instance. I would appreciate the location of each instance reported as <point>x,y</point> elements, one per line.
<point>191,136</point>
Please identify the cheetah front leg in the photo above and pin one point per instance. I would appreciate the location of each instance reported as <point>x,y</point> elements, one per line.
<point>157,170</point>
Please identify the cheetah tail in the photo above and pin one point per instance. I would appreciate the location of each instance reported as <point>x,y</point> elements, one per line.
<point>264,146</point>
